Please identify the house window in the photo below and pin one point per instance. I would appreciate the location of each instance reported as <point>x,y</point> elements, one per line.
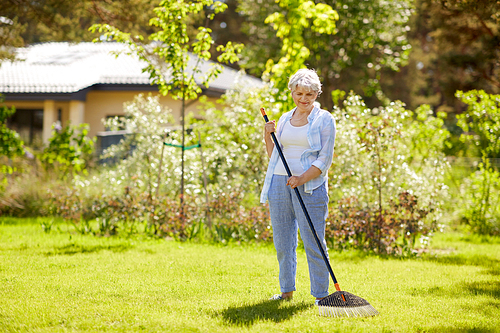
<point>29,125</point>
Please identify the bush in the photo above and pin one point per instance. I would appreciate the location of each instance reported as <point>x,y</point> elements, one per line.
<point>481,121</point>
<point>389,165</point>
<point>25,192</point>
<point>30,178</point>
<point>395,231</point>
<point>162,216</point>
<point>481,198</point>
<point>386,183</point>
<point>137,156</point>
<point>11,145</point>
<point>481,189</point>
<point>69,151</point>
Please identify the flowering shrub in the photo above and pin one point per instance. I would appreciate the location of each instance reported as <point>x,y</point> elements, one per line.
<point>138,155</point>
<point>389,165</point>
<point>386,184</point>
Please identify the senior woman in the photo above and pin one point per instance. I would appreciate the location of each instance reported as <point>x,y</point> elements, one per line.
<point>307,137</point>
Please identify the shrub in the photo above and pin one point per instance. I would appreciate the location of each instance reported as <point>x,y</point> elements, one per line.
<point>481,198</point>
<point>386,183</point>
<point>481,121</point>
<point>137,156</point>
<point>481,189</point>
<point>162,216</point>
<point>395,231</point>
<point>69,151</point>
<point>232,220</point>
<point>386,158</point>
<point>11,145</point>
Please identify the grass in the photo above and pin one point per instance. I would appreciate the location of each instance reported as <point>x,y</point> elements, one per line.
<point>62,281</point>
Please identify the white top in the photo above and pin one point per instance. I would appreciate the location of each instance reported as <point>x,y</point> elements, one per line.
<point>321,136</point>
<point>294,142</point>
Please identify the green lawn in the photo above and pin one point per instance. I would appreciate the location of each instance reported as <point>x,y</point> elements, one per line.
<point>61,281</point>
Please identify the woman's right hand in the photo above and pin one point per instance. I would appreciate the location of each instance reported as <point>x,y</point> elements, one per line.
<point>270,127</point>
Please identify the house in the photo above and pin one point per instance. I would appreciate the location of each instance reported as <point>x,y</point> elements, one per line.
<point>83,83</point>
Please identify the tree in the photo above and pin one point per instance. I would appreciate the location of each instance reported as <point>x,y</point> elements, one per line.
<point>370,36</point>
<point>25,22</point>
<point>456,47</point>
<point>294,19</point>
<point>170,49</point>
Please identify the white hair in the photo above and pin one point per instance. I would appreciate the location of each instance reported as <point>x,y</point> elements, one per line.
<point>305,78</point>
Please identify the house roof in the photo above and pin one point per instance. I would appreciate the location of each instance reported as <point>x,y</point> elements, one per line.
<point>61,69</point>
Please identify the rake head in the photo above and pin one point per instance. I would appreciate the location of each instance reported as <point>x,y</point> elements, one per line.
<point>344,304</point>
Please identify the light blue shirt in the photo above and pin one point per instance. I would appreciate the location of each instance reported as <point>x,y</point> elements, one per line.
<point>321,137</point>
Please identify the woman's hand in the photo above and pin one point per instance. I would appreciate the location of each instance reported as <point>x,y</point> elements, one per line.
<point>311,173</point>
<point>270,127</point>
<point>295,181</point>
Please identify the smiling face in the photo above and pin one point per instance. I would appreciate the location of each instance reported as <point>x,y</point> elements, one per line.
<point>304,98</point>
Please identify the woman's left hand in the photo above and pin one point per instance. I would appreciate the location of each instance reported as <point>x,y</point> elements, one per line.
<point>295,181</point>
<point>311,173</point>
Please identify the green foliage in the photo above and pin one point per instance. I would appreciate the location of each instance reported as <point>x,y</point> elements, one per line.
<point>386,185</point>
<point>481,189</point>
<point>481,121</point>
<point>10,37</point>
<point>454,47</point>
<point>389,164</point>
<point>232,139</point>
<point>168,55</point>
<point>134,211</point>
<point>370,36</point>
<point>11,144</point>
<point>69,151</point>
<point>137,157</point>
<point>294,18</point>
<point>171,46</point>
<point>26,192</point>
<point>481,194</point>
<point>28,22</point>
<point>383,151</point>
<point>394,232</point>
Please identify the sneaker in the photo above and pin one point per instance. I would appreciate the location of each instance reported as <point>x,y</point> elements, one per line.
<point>316,302</point>
<point>278,297</point>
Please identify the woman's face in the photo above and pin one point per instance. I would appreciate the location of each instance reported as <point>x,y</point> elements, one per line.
<point>304,98</point>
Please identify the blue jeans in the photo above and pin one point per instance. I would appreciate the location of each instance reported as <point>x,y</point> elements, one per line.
<point>287,217</point>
